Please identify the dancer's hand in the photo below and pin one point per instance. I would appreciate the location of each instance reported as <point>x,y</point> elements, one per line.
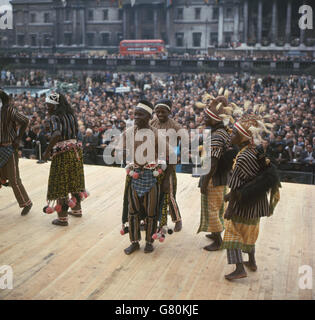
<point>228,213</point>
<point>227,197</point>
<point>16,143</point>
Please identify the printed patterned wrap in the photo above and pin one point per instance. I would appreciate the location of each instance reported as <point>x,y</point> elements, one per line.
<point>5,154</point>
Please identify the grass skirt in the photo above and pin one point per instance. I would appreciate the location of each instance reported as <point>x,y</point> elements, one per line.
<point>66,175</point>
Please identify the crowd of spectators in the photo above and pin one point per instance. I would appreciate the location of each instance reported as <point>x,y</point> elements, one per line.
<point>289,101</point>
<point>25,79</point>
<point>217,55</point>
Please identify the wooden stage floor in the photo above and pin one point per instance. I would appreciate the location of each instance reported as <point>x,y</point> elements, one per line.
<point>86,259</point>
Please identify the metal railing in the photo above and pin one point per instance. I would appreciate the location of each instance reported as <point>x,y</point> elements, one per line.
<point>159,64</point>
<point>289,172</point>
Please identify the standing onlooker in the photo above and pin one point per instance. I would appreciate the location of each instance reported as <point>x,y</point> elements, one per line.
<point>89,147</point>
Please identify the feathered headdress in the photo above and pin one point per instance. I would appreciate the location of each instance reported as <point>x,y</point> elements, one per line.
<point>251,126</point>
<point>218,109</point>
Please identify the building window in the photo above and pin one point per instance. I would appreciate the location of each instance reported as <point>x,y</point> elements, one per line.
<point>68,15</point>
<point>33,17</point>
<point>90,39</point>
<point>229,13</point>
<point>215,14</point>
<point>68,38</point>
<point>180,14</point>
<point>196,39</point>
<point>228,37</point>
<point>91,15</point>
<point>105,14</point>
<point>20,40</point>
<point>149,16</point>
<point>105,39</point>
<point>46,17</point>
<point>120,14</point>
<point>119,37</point>
<point>33,40</point>
<point>241,9</point>
<point>46,40</point>
<point>213,38</point>
<point>197,13</point>
<point>164,37</point>
<point>179,39</point>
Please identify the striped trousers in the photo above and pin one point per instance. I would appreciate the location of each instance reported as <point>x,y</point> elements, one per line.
<point>148,204</point>
<point>169,203</point>
<point>11,172</point>
<point>234,256</point>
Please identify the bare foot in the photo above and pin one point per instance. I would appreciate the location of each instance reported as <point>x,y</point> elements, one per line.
<point>26,210</point>
<point>252,266</point>
<point>148,248</point>
<point>178,226</point>
<point>215,246</point>
<point>236,275</point>
<point>58,222</point>
<point>132,248</point>
<point>211,236</point>
<point>77,215</point>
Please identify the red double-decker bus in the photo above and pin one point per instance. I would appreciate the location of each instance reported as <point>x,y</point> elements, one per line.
<point>141,47</point>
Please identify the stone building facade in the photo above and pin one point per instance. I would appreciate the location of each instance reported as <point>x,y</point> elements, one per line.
<point>185,25</point>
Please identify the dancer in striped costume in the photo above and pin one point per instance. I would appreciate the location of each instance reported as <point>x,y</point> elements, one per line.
<point>162,121</point>
<point>252,178</point>
<point>10,139</point>
<point>218,157</point>
<point>145,178</point>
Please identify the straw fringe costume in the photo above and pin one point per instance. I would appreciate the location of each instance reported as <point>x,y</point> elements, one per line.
<point>66,184</point>
<point>66,171</point>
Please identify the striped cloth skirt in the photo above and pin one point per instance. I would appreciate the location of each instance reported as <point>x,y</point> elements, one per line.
<point>240,233</point>
<point>212,209</point>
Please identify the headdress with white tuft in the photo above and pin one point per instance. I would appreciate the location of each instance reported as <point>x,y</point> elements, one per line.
<point>251,126</point>
<point>218,109</point>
